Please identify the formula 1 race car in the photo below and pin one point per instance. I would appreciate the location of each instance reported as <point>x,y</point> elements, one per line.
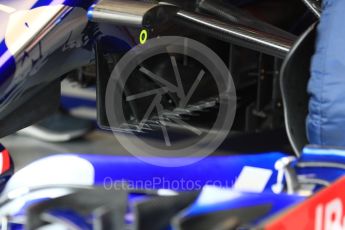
<point>262,191</point>
<point>183,84</point>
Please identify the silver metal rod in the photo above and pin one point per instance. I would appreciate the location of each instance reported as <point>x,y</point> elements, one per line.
<point>231,13</point>
<point>240,34</point>
<point>314,6</point>
<point>138,14</point>
<point>128,12</point>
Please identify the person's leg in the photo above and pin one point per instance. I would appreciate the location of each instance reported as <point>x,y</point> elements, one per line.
<point>326,119</point>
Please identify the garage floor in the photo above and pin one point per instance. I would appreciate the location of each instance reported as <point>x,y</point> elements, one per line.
<point>25,149</point>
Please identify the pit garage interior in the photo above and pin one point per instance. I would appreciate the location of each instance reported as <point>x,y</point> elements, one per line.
<point>237,99</point>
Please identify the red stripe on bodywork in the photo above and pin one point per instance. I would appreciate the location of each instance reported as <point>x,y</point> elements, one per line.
<point>6,162</point>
